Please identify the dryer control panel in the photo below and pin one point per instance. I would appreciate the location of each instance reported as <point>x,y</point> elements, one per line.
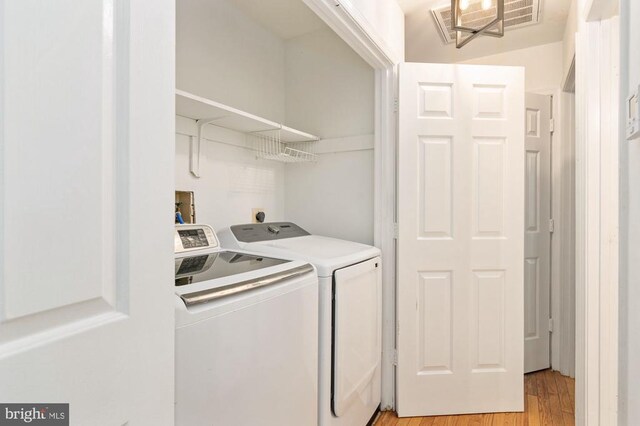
<point>254,232</point>
<point>194,237</point>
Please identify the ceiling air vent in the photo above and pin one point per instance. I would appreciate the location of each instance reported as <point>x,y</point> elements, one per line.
<point>517,13</point>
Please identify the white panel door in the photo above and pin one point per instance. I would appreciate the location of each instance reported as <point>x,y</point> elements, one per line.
<point>537,251</point>
<point>86,160</point>
<point>461,245</point>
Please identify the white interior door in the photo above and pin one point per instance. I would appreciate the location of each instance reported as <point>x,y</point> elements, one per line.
<point>86,234</point>
<point>537,227</point>
<point>461,245</point>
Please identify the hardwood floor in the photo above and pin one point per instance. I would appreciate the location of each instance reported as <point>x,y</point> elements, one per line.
<point>549,401</point>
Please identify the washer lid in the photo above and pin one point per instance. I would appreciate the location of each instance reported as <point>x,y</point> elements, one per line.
<point>326,254</point>
<point>213,265</point>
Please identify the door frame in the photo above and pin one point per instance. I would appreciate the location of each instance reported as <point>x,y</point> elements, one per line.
<point>563,298</point>
<point>353,28</point>
<point>562,347</point>
<point>597,235</point>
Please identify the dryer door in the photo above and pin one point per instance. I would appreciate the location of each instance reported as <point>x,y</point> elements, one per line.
<point>357,336</point>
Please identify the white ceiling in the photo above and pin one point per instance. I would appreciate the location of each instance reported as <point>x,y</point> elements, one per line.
<point>424,44</point>
<point>285,18</point>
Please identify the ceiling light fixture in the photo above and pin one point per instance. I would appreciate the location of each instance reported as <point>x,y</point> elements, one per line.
<point>492,25</point>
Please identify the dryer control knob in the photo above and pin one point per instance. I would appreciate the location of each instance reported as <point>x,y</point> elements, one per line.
<point>273,229</point>
<point>260,217</point>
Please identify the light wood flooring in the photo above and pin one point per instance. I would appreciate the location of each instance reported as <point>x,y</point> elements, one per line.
<point>549,401</point>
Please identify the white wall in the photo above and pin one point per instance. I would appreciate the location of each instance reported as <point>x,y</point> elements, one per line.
<point>233,181</point>
<point>333,197</point>
<point>314,83</point>
<point>223,55</point>
<point>329,88</point>
<point>330,92</point>
<point>629,383</point>
<point>543,65</point>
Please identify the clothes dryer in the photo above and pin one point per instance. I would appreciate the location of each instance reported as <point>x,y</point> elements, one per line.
<point>350,307</point>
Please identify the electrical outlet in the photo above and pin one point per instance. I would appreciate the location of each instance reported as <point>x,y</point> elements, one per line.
<point>254,212</point>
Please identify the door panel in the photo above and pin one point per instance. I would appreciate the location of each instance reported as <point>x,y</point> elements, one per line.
<point>86,310</point>
<point>537,254</point>
<point>460,248</point>
<point>357,336</point>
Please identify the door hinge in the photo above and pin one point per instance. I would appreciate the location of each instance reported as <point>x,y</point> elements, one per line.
<point>395,357</point>
<point>552,125</point>
<point>550,325</point>
<point>395,231</point>
<point>552,226</point>
<point>395,105</point>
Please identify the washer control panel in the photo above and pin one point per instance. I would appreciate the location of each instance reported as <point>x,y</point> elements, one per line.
<point>254,232</point>
<point>194,237</point>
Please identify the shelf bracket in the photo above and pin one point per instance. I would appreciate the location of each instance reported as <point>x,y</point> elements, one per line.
<point>196,142</point>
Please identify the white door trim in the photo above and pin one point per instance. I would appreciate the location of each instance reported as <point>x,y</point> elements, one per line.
<point>353,29</point>
<point>597,134</point>
<point>563,282</point>
<point>385,219</point>
<point>562,337</point>
<point>384,234</point>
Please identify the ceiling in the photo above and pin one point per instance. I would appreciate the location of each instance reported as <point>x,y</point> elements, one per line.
<point>424,44</point>
<point>285,18</point>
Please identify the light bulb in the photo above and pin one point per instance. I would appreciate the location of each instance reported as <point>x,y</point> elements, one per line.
<point>486,4</point>
<point>464,4</point>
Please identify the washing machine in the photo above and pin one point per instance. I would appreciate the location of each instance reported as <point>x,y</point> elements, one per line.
<point>246,335</point>
<point>350,313</point>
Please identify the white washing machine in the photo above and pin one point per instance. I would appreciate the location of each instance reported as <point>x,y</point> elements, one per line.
<point>350,314</point>
<point>246,336</point>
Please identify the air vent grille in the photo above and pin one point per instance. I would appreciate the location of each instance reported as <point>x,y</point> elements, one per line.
<point>517,13</point>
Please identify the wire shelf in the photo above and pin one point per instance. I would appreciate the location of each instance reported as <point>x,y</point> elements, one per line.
<point>270,146</point>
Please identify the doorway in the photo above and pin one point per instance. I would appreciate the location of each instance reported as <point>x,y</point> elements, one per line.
<point>596,353</point>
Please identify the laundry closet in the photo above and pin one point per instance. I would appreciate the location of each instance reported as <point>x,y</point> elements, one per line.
<point>272,64</point>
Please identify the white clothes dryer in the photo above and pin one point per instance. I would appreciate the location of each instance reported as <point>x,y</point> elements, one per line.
<point>350,307</point>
